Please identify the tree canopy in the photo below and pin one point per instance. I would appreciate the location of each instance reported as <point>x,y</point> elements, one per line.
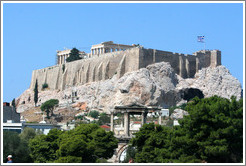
<point>103,119</point>
<point>17,145</point>
<point>212,132</point>
<point>49,105</point>
<point>85,144</point>
<point>73,55</point>
<point>94,114</point>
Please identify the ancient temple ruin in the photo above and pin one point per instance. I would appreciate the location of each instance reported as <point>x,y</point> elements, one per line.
<point>108,59</point>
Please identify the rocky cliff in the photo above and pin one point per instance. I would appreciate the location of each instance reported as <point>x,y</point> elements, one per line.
<point>157,84</point>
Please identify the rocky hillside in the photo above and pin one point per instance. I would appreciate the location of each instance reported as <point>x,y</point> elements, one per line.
<point>156,84</point>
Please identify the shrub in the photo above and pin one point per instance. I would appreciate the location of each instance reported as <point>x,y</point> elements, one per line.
<point>45,85</point>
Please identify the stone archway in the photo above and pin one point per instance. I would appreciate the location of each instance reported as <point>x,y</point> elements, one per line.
<point>121,148</point>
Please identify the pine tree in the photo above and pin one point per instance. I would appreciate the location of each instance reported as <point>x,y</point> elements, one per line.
<point>13,103</point>
<point>36,93</point>
<point>73,55</point>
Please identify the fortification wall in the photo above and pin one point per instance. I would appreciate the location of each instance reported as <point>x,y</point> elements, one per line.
<point>87,70</point>
<point>107,65</point>
<point>183,64</point>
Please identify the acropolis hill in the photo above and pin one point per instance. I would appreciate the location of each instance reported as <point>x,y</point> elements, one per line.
<point>117,75</point>
<point>107,59</point>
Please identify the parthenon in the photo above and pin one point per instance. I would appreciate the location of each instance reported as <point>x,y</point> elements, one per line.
<point>109,46</point>
<point>96,50</point>
<point>63,55</point>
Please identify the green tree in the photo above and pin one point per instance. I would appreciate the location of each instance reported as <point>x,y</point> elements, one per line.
<point>43,147</point>
<point>36,93</point>
<point>27,134</point>
<point>86,143</point>
<point>89,145</point>
<point>49,105</point>
<point>73,55</point>
<point>13,103</point>
<point>212,132</point>
<point>94,114</point>
<point>15,146</point>
<point>216,126</point>
<point>103,119</point>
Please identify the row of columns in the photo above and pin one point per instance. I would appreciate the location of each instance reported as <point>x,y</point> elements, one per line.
<point>127,121</point>
<point>102,50</point>
<point>62,58</point>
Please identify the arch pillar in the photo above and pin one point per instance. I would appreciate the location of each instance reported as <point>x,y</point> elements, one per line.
<point>126,124</point>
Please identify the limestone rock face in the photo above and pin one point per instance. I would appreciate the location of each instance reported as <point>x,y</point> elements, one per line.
<point>155,85</point>
<point>178,114</point>
<point>213,81</point>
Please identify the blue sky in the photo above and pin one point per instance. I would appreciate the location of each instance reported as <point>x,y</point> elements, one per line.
<point>32,32</point>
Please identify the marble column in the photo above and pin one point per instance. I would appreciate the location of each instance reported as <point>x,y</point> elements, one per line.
<point>126,123</point>
<point>91,51</point>
<point>103,50</point>
<point>143,118</point>
<point>159,117</point>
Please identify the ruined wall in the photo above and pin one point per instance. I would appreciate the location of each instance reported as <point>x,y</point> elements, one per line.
<point>117,63</point>
<point>87,70</point>
<point>183,64</point>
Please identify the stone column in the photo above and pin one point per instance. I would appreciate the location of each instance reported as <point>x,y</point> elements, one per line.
<point>112,122</point>
<point>197,64</point>
<point>126,123</point>
<point>91,51</point>
<point>143,118</point>
<point>187,66</point>
<point>103,50</point>
<point>113,49</point>
<point>181,63</point>
<point>159,117</point>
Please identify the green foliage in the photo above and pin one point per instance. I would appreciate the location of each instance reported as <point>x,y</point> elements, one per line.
<point>44,86</point>
<point>212,132</point>
<point>49,105</point>
<point>27,134</point>
<point>69,159</point>
<point>94,114</point>
<point>73,55</point>
<point>13,103</point>
<point>14,145</point>
<point>36,93</point>
<point>84,144</point>
<point>101,160</point>
<point>43,147</point>
<point>103,119</point>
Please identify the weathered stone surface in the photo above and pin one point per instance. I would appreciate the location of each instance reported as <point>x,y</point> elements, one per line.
<point>213,81</point>
<point>156,85</point>
<point>178,114</point>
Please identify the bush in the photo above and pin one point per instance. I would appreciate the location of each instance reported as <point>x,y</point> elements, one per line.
<point>94,114</point>
<point>45,85</point>
<point>69,159</point>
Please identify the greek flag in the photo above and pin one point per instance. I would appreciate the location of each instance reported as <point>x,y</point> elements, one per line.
<point>200,39</point>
